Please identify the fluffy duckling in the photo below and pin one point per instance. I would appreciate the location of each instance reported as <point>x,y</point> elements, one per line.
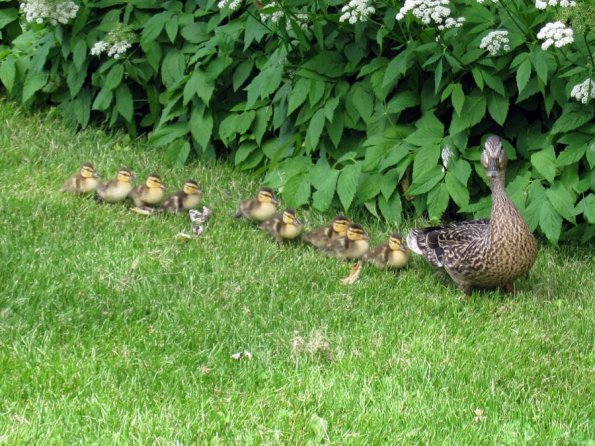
<point>259,209</point>
<point>187,198</point>
<point>150,193</point>
<point>84,181</point>
<point>393,254</point>
<point>322,236</point>
<point>352,245</point>
<point>118,189</point>
<point>284,226</point>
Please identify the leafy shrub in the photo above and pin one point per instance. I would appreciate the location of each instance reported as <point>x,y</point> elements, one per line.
<point>353,104</point>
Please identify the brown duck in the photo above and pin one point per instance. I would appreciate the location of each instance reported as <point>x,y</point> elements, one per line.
<point>482,253</point>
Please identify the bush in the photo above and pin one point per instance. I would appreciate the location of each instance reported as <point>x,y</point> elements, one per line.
<point>352,104</point>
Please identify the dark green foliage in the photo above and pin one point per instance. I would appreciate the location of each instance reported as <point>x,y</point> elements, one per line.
<point>386,114</point>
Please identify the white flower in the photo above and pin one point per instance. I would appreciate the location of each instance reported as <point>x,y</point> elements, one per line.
<point>118,48</point>
<point>301,20</point>
<point>272,12</point>
<point>99,48</point>
<point>39,11</point>
<point>542,4</point>
<point>431,11</point>
<point>356,11</point>
<point>584,91</point>
<point>229,4</point>
<point>481,1</point>
<point>555,34</point>
<point>447,154</point>
<point>495,41</point>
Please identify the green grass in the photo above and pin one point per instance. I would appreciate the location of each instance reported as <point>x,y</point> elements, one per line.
<point>94,350</point>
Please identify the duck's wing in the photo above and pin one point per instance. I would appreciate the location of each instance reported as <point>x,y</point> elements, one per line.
<point>272,224</point>
<point>449,243</point>
<point>319,236</point>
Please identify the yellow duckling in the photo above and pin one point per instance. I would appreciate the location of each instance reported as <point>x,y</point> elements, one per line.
<point>284,226</point>
<point>187,198</point>
<point>84,181</point>
<point>259,209</point>
<point>393,254</point>
<point>352,245</point>
<point>118,189</point>
<point>148,194</point>
<point>322,236</point>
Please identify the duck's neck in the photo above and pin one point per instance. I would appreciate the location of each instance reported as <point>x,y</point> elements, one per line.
<point>502,207</point>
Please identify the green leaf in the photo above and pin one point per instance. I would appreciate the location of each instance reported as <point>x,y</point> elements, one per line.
<point>562,201</point>
<point>425,181</point>
<point>396,68</point>
<point>263,116</point>
<point>166,134</point>
<point>495,83</point>
<point>177,152</point>
<point>298,94</point>
<point>457,190</point>
<point>152,28</point>
<point>477,76</point>
<point>523,74</point>
<point>589,204</point>
<point>571,155</point>
<point>201,126</point>
<point>545,163</point>
<point>114,77</point>
<point>153,52</point>
<point>124,103</point>
<point>317,89</point>
<point>296,190</point>
<point>103,99</point>
<point>7,16</point>
<point>537,197</point>
<point>314,131</point>
<point>462,170</point>
<point>322,198</point>
<point>75,79</point>
<point>79,53</point>
<point>335,129</point>
<point>388,184</point>
<point>347,183</point>
<point>437,77</point>
<point>172,68</point>
<point>473,112</point>
<point>8,73</point>
<point>171,29</point>
<point>437,202</point>
<point>81,107</point>
<point>363,102</point>
<point>327,63</point>
<point>33,83</point>
<point>458,98</point>
<point>244,151</point>
<point>369,188</point>
<point>498,108</point>
<point>425,136</point>
<point>392,209</point>
<point>241,73</point>
<point>550,222</point>
<point>538,59</point>
<point>426,159</point>
<point>570,120</point>
<point>402,101</point>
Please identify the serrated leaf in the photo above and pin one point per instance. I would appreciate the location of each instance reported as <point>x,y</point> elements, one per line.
<point>322,198</point>
<point>317,89</point>
<point>114,77</point>
<point>392,209</point>
<point>472,113</point>
<point>171,29</point>
<point>523,74</point>
<point>402,101</point>
<point>589,211</point>
<point>395,68</point>
<point>462,170</point>
<point>388,184</point>
<point>425,181</point>
<point>536,198</point>
<point>177,153</point>
<point>495,83</point>
<point>538,59</point>
<point>172,67</point>
<point>244,151</point>
<point>426,159</point>
<point>498,108</point>
<point>458,98</point>
<point>298,94</point>
<point>437,201</point>
<point>550,222</point>
<point>571,120</point>
<point>438,76</point>
<point>241,73</point>
<point>562,200</point>
<point>458,191</point>
<point>201,127</point>
<point>33,83</point>
<point>8,73</point>
<point>369,188</point>
<point>363,102</point>
<point>103,99</point>
<point>296,190</point>
<point>347,183</point>
<point>79,53</point>
<point>571,154</point>
<point>124,103</point>
<point>166,134</point>
<point>327,63</point>
<point>314,131</point>
<point>478,78</point>
<point>545,163</point>
<point>152,28</point>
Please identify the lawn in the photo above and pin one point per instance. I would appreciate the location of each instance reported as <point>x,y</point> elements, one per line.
<point>114,332</point>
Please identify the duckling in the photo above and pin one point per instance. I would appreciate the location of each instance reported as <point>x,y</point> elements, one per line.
<point>84,181</point>
<point>284,226</point>
<point>187,198</point>
<point>322,236</point>
<point>259,209</point>
<point>352,245</point>
<point>118,189</point>
<point>150,193</point>
<point>393,254</point>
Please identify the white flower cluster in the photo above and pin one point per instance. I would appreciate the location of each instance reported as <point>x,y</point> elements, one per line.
<point>54,12</point>
<point>495,41</point>
<point>481,2</point>
<point>542,4</point>
<point>229,4</point>
<point>356,11</point>
<point>274,16</point>
<point>555,33</point>
<point>302,21</point>
<point>584,91</point>
<point>114,50</point>
<point>429,11</point>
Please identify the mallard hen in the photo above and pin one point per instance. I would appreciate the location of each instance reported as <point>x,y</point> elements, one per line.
<point>482,253</point>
